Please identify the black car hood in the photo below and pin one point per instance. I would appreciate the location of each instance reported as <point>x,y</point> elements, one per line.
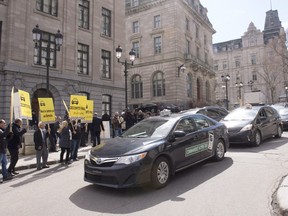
<point>124,146</point>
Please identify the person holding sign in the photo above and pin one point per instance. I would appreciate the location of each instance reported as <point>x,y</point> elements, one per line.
<point>65,135</point>
<point>15,143</point>
<point>41,147</point>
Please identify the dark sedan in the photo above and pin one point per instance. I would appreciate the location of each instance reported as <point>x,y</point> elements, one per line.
<point>252,124</point>
<point>154,149</point>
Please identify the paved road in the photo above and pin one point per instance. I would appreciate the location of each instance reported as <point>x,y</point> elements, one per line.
<point>242,184</point>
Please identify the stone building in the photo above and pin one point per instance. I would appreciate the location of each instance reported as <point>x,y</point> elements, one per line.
<point>255,64</point>
<point>173,44</point>
<point>85,64</point>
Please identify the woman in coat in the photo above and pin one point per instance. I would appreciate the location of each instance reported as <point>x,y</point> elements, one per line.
<point>65,141</point>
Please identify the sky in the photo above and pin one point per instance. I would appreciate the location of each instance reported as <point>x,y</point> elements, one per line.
<point>231,18</point>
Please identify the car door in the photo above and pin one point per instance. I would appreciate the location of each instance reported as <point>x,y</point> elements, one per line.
<point>205,134</point>
<point>272,119</point>
<point>185,149</point>
<point>264,124</point>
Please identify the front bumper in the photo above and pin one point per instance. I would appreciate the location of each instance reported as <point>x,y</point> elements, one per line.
<point>241,137</point>
<point>117,175</point>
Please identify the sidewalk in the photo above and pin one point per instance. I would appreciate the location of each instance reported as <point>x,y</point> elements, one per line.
<point>29,161</point>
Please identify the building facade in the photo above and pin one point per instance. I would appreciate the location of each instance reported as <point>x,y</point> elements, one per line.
<point>86,63</point>
<point>173,44</point>
<point>256,65</point>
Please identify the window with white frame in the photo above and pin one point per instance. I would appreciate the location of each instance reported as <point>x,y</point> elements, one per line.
<point>158,84</point>
<point>106,64</point>
<point>83,21</point>
<point>157,21</point>
<point>157,45</point>
<point>135,27</point>
<point>136,48</point>
<point>136,87</point>
<point>82,61</point>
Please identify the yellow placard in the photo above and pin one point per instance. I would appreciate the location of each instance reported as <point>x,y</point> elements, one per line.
<point>46,108</point>
<point>77,106</point>
<point>22,107</point>
<point>89,111</point>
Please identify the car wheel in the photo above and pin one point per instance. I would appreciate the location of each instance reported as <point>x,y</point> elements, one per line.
<point>257,138</point>
<point>219,151</point>
<point>279,132</point>
<point>160,173</point>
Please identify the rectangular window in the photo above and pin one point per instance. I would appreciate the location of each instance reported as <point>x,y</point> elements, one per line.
<point>237,63</point>
<point>187,24</point>
<point>136,48</point>
<point>197,31</point>
<point>0,35</point>
<point>135,26</point>
<point>106,104</point>
<point>254,76</point>
<point>46,49</point>
<point>187,47</point>
<point>134,3</point>
<point>83,14</point>
<point>157,21</point>
<point>157,45</point>
<point>205,40</point>
<point>47,6</point>
<point>253,59</point>
<point>83,54</point>
<point>198,52</point>
<point>106,22</point>
<point>216,67</point>
<point>224,65</point>
<point>106,64</point>
<point>206,57</point>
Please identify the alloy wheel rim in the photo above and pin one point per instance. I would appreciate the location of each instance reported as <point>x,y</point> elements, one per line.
<point>220,150</point>
<point>162,172</point>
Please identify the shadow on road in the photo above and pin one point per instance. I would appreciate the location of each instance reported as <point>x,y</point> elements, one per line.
<point>124,201</point>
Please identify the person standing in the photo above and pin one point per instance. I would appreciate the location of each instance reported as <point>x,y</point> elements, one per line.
<point>4,135</point>
<point>116,125</point>
<point>15,143</point>
<point>96,127</point>
<point>41,147</point>
<point>76,136</point>
<point>64,142</point>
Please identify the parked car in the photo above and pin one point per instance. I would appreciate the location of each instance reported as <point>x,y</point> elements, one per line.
<point>154,149</point>
<point>253,124</point>
<point>174,108</point>
<point>214,112</point>
<point>283,112</point>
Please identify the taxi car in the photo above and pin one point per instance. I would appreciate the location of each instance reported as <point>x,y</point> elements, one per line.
<point>252,124</point>
<point>154,149</point>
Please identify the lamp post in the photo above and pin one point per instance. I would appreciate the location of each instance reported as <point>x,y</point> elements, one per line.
<point>132,56</point>
<point>250,83</point>
<point>239,86</point>
<point>226,79</point>
<point>37,34</point>
<point>286,91</point>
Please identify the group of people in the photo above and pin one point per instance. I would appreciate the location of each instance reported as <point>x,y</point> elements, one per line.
<point>70,134</point>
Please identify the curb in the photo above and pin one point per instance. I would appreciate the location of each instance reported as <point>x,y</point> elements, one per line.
<point>282,196</point>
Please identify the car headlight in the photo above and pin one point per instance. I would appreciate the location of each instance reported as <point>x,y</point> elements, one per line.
<point>131,158</point>
<point>87,156</point>
<point>247,127</point>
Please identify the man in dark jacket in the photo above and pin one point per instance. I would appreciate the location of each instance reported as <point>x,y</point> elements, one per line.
<point>96,127</point>
<point>15,143</point>
<point>41,147</point>
<point>4,135</point>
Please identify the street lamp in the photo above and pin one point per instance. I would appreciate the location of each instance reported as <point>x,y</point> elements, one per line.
<point>132,56</point>
<point>226,79</point>
<point>250,83</point>
<point>37,34</point>
<point>239,86</point>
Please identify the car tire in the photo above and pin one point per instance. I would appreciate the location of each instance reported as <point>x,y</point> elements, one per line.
<point>279,132</point>
<point>160,174</point>
<point>219,151</point>
<point>257,138</point>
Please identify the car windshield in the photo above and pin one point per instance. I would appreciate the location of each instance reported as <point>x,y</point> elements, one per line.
<point>152,127</point>
<point>241,114</point>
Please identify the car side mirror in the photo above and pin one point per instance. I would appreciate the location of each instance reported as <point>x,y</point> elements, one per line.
<point>179,133</point>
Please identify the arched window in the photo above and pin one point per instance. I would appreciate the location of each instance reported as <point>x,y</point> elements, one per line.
<point>136,87</point>
<point>158,84</point>
<point>208,96</point>
<point>84,94</point>
<point>189,85</point>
